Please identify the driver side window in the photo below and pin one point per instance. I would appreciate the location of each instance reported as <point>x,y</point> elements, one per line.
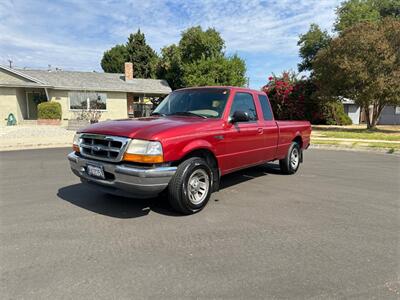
<point>244,102</point>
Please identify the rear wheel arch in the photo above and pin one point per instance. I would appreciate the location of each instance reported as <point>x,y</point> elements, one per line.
<point>290,164</point>
<point>299,140</point>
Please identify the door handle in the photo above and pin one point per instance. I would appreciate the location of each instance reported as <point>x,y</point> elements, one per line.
<point>260,130</point>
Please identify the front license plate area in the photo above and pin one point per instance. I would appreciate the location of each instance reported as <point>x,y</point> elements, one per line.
<point>95,171</point>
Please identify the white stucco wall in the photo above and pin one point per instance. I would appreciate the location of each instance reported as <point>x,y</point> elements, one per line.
<point>116,105</point>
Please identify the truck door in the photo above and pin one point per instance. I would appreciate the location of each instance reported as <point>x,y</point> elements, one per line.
<point>270,129</point>
<point>244,141</point>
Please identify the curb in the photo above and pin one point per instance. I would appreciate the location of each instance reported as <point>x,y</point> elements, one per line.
<point>341,148</point>
<point>34,146</point>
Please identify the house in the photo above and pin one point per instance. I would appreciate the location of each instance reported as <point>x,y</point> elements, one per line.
<point>390,114</point>
<point>352,110</point>
<point>115,95</point>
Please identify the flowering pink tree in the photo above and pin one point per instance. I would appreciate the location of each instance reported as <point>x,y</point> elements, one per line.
<point>287,95</point>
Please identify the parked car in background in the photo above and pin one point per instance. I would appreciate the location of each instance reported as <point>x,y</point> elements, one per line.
<point>195,136</point>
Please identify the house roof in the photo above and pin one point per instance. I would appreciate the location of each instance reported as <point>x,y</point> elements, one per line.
<point>346,100</point>
<point>95,81</point>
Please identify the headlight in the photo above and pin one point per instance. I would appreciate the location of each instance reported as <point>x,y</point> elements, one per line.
<point>76,141</point>
<point>144,152</point>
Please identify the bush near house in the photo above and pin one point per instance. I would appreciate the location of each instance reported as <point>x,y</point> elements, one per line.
<point>333,114</point>
<point>49,110</point>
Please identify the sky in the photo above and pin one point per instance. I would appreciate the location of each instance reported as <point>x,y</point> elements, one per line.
<point>72,35</point>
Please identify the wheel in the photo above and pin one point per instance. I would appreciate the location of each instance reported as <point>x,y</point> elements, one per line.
<point>290,164</point>
<point>190,188</point>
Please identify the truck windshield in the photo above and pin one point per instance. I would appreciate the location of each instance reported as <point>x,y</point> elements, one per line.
<point>205,103</point>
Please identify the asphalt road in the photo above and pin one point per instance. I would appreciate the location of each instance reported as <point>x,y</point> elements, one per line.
<point>330,231</point>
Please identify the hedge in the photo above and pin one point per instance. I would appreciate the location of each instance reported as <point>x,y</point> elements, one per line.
<point>49,110</point>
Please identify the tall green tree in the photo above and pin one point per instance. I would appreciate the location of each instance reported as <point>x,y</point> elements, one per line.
<point>310,43</point>
<point>137,51</point>
<point>351,12</point>
<point>143,57</point>
<point>170,66</point>
<point>217,70</point>
<point>363,64</point>
<point>113,60</point>
<point>196,43</point>
<point>199,60</point>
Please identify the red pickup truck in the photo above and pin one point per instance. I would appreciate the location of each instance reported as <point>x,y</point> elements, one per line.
<point>195,136</point>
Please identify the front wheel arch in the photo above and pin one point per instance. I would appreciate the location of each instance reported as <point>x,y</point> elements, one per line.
<point>211,160</point>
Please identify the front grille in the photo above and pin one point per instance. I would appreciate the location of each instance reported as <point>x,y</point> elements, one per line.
<point>103,147</point>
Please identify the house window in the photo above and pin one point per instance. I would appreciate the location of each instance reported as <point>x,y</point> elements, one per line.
<point>87,100</point>
<point>397,110</point>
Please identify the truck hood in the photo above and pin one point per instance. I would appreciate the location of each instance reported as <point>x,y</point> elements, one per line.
<point>150,128</point>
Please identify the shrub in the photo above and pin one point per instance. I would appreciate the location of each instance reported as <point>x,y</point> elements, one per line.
<point>333,114</point>
<point>49,110</point>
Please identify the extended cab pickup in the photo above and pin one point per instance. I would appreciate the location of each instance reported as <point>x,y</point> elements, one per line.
<point>195,136</point>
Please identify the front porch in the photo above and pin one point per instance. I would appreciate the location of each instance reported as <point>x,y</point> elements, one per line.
<point>28,99</point>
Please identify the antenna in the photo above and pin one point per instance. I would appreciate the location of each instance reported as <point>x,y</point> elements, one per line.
<point>10,63</point>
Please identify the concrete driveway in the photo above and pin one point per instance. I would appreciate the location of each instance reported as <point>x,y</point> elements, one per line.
<point>330,231</point>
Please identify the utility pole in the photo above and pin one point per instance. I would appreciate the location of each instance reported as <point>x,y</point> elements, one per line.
<point>10,63</point>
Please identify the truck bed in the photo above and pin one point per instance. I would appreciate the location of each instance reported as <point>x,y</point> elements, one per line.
<point>288,130</point>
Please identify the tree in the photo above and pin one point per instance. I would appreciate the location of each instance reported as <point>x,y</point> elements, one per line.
<point>217,70</point>
<point>310,43</point>
<point>281,93</point>
<point>363,64</point>
<point>113,60</point>
<point>137,51</point>
<point>389,8</point>
<point>199,60</point>
<point>170,66</point>
<point>196,43</point>
<point>351,12</point>
<point>143,57</point>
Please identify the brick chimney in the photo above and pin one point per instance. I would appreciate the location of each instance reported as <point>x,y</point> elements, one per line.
<point>128,71</point>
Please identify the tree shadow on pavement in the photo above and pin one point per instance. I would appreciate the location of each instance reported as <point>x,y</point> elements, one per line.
<point>96,201</point>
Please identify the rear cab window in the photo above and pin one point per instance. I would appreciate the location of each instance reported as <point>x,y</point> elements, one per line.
<point>266,108</point>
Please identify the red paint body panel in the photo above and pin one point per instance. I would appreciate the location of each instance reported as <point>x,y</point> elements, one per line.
<point>235,146</point>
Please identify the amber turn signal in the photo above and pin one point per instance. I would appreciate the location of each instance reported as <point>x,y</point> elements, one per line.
<point>148,159</point>
<point>75,148</point>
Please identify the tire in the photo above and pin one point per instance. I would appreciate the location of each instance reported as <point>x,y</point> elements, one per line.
<point>291,163</point>
<point>190,188</point>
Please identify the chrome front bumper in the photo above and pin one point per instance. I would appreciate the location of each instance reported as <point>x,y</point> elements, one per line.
<point>123,179</point>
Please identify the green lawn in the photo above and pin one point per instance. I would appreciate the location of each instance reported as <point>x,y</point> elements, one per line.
<point>391,133</point>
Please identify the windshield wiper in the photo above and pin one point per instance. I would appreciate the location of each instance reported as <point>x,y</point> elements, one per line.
<point>157,114</point>
<point>187,113</point>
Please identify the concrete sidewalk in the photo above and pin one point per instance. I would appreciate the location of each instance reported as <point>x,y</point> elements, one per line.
<point>34,137</point>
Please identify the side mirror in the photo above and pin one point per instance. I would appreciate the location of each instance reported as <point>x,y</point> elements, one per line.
<point>240,116</point>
